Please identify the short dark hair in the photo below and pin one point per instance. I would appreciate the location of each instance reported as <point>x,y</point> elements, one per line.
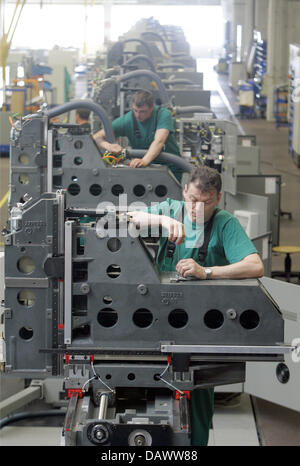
<point>143,98</point>
<point>83,113</point>
<point>205,179</point>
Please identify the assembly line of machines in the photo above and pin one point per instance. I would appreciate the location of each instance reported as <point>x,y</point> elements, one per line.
<point>89,307</point>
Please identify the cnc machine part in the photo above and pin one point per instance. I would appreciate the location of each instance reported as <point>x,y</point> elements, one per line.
<point>90,105</point>
<point>116,53</point>
<point>137,61</point>
<point>151,419</point>
<point>33,310</point>
<point>71,161</point>
<point>108,92</point>
<point>101,276</point>
<point>90,182</point>
<point>33,147</point>
<point>204,140</point>
<point>28,157</point>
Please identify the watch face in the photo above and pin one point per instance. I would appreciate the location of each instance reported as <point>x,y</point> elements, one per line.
<point>208,273</point>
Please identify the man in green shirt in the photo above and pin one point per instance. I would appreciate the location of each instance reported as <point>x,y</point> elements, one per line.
<point>230,254</point>
<point>147,127</point>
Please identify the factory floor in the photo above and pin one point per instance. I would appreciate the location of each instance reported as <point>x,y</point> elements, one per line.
<point>243,419</point>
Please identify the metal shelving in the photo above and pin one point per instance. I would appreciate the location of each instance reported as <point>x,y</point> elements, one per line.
<point>294,104</point>
<point>260,69</point>
<point>281,105</point>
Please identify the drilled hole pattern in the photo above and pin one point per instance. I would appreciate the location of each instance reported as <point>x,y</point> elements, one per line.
<point>178,318</point>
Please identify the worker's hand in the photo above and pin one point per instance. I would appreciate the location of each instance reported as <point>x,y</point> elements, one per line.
<point>175,229</point>
<point>187,267</point>
<point>136,163</point>
<point>99,139</point>
<point>114,148</point>
<point>140,219</point>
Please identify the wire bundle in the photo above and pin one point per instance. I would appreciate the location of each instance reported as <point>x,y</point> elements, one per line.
<point>112,159</point>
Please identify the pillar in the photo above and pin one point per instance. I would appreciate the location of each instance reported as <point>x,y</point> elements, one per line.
<point>277,51</point>
<point>107,5</point>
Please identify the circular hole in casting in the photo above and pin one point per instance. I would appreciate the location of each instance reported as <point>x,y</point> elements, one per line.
<point>161,190</point>
<point>214,319</point>
<point>95,190</point>
<point>107,300</point>
<point>113,271</point>
<point>142,318</point>
<point>107,317</point>
<point>26,298</point>
<point>74,189</point>
<point>26,333</point>
<point>24,159</point>
<point>117,189</point>
<point>114,244</point>
<point>24,178</point>
<point>249,319</point>
<point>178,318</point>
<point>26,265</point>
<point>139,190</point>
<point>78,160</point>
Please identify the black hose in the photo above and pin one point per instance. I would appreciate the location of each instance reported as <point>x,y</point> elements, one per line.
<point>156,36</point>
<point>136,58</point>
<point>30,415</point>
<point>164,157</point>
<point>153,76</point>
<point>142,42</point>
<point>90,105</point>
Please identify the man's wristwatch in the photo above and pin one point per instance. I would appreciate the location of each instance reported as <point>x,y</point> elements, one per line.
<point>208,273</point>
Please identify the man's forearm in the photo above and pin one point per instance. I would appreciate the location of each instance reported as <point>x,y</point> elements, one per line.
<point>101,142</point>
<point>153,151</point>
<point>243,269</point>
<point>147,220</point>
<point>99,138</point>
<point>173,229</point>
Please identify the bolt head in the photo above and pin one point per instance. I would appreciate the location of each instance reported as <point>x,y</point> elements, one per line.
<point>142,289</point>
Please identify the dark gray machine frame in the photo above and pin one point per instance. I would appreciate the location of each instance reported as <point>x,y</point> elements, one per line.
<point>44,158</point>
<point>100,313</point>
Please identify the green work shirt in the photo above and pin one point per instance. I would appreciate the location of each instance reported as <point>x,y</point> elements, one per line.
<point>228,244</point>
<point>228,241</point>
<point>123,126</point>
